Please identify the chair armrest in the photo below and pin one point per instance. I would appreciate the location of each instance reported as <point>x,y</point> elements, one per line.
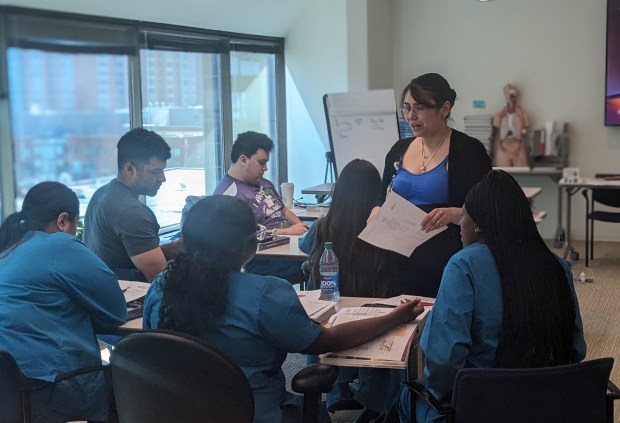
<point>317,378</point>
<point>422,392</point>
<point>77,372</point>
<point>614,392</point>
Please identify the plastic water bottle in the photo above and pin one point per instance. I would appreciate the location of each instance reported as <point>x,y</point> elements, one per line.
<point>328,270</point>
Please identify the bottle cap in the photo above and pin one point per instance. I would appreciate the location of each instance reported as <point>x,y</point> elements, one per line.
<point>328,245</point>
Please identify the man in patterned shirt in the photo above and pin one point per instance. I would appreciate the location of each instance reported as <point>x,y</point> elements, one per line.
<point>244,180</point>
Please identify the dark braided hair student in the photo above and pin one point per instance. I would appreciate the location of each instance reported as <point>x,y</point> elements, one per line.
<point>255,320</point>
<point>505,299</point>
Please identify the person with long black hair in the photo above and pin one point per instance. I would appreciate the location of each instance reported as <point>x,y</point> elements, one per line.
<point>54,294</point>
<point>505,300</point>
<point>255,320</point>
<point>365,271</point>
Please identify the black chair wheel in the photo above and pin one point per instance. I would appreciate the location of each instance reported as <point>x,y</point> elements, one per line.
<point>574,255</point>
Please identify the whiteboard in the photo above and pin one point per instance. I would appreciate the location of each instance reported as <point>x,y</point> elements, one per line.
<point>361,125</point>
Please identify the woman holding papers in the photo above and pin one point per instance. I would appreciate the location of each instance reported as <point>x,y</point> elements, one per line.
<point>505,300</point>
<point>254,319</point>
<point>54,293</point>
<point>433,170</point>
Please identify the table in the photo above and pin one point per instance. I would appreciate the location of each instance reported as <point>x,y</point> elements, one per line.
<point>415,366</point>
<point>308,213</point>
<point>573,188</point>
<point>554,174</point>
<point>321,192</point>
<point>288,251</point>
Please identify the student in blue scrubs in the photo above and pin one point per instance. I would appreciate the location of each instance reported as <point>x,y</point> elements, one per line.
<point>54,294</point>
<point>527,317</point>
<point>256,320</point>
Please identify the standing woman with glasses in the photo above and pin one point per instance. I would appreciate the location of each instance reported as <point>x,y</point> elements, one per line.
<point>434,170</point>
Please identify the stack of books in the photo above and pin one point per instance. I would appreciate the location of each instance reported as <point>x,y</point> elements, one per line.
<point>481,128</point>
<point>273,242</point>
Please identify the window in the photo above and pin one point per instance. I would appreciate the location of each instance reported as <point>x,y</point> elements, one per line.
<point>181,101</point>
<point>76,83</point>
<point>253,84</point>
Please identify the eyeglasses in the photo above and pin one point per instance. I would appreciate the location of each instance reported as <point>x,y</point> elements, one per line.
<point>416,108</point>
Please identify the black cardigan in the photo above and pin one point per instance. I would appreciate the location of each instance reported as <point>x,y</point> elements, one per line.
<point>468,162</point>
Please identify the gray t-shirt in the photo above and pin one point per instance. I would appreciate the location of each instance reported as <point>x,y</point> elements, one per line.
<point>118,226</point>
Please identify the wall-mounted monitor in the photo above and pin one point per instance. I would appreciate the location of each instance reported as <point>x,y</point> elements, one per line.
<point>612,69</point>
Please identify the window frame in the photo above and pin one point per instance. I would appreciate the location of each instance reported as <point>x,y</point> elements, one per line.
<point>169,36</point>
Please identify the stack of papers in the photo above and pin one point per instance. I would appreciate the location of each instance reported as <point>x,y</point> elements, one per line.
<point>397,226</point>
<point>390,350</point>
<point>480,128</point>
<point>317,310</point>
<point>133,290</point>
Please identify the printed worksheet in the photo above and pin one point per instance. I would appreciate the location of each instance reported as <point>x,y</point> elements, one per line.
<point>397,227</point>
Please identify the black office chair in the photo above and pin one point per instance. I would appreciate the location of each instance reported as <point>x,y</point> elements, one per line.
<point>607,197</point>
<point>11,399</point>
<point>15,389</point>
<point>576,393</point>
<point>164,376</point>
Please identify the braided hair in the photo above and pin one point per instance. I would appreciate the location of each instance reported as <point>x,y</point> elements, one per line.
<point>219,236</point>
<point>42,205</point>
<point>539,308</point>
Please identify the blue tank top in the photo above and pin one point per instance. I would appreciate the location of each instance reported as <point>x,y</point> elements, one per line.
<point>426,188</point>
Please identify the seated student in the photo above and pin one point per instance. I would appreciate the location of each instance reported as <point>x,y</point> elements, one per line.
<point>244,180</point>
<point>254,319</point>
<point>505,300</point>
<point>118,227</point>
<point>54,294</point>
<point>365,271</point>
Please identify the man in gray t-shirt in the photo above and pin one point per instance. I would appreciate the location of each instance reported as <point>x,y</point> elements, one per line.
<point>119,228</point>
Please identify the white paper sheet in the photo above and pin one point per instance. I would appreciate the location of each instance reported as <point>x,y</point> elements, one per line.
<point>316,309</point>
<point>397,227</point>
<point>132,290</point>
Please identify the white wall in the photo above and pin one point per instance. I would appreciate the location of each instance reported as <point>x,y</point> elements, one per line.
<point>317,63</point>
<point>265,17</point>
<point>553,50</point>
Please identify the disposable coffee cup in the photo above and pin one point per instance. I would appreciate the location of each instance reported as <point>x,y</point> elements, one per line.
<point>288,191</point>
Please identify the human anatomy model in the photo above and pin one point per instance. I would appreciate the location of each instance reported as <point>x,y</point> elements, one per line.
<point>509,147</point>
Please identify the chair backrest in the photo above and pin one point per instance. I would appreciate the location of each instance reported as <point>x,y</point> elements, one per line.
<point>10,393</point>
<point>570,393</point>
<point>608,197</point>
<point>164,376</point>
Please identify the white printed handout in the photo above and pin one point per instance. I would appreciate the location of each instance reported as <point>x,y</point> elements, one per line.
<point>397,227</point>
<point>317,310</point>
<point>133,290</point>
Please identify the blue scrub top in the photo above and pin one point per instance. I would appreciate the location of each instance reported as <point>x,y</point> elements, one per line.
<point>54,293</point>
<point>463,327</point>
<point>264,320</point>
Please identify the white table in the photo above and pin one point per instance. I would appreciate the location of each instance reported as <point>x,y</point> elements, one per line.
<point>554,174</point>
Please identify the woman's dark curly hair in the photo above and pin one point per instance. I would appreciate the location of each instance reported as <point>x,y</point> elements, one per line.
<point>219,235</point>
